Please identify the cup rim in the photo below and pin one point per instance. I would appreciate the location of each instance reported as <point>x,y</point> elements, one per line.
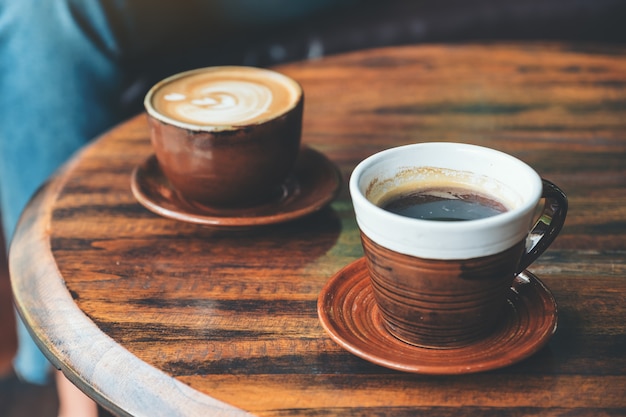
<point>462,230</point>
<point>152,112</point>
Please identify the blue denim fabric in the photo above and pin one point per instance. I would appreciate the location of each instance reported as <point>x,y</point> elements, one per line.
<point>58,89</point>
<point>62,73</point>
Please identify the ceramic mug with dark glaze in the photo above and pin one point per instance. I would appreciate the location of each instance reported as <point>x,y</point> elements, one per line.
<point>443,284</point>
<point>226,136</point>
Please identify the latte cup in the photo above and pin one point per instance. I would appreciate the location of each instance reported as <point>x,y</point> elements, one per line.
<point>226,136</point>
<point>439,279</point>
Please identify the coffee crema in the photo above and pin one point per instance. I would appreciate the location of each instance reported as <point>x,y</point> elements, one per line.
<point>225,96</point>
<point>443,204</point>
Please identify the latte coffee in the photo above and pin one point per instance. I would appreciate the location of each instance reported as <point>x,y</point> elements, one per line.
<point>226,136</point>
<point>220,97</point>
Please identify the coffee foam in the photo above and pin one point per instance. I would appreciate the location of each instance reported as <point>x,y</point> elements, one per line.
<point>225,96</point>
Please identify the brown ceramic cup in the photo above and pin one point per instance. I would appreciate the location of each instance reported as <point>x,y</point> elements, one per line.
<point>226,136</point>
<point>444,284</point>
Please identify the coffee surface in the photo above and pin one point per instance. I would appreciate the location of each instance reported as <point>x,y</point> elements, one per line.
<point>444,204</point>
<point>224,96</point>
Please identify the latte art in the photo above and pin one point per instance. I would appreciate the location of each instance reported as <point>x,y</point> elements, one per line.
<point>225,96</point>
<point>221,102</point>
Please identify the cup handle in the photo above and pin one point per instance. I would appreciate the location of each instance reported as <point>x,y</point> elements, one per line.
<point>548,225</point>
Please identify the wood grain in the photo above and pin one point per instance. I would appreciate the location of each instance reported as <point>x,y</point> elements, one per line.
<point>160,318</point>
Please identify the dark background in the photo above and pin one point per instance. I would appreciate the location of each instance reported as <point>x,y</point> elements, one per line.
<point>372,24</point>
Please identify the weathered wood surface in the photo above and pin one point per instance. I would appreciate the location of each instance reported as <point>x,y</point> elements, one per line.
<point>160,318</point>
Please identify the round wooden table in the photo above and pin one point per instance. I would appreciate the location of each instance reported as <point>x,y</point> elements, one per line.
<point>152,316</point>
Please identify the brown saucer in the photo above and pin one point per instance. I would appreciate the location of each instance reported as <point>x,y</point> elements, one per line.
<point>314,184</point>
<point>348,312</point>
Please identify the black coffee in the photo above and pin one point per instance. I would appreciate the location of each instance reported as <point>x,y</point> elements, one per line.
<point>444,204</point>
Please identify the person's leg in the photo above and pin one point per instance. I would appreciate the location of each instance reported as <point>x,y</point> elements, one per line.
<point>72,402</point>
<point>59,84</point>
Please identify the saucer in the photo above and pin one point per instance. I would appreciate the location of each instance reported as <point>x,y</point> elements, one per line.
<point>314,183</point>
<point>348,312</point>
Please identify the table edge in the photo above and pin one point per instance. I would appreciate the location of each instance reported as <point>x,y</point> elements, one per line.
<point>40,283</point>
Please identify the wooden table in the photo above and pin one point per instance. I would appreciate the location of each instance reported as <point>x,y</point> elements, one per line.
<point>155,317</point>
